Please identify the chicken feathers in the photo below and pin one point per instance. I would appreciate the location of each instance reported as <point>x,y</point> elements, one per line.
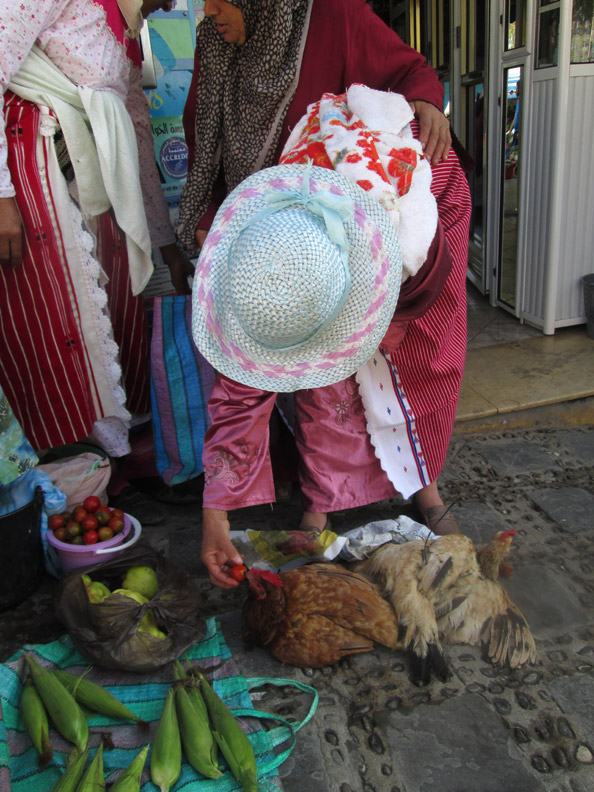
<point>321,613</point>
<point>446,590</point>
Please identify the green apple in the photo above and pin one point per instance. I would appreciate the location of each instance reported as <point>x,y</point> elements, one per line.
<point>142,579</point>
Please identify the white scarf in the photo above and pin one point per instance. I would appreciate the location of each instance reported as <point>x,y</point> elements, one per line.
<point>104,157</point>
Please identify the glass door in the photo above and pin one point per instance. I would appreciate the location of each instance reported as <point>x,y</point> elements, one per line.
<point>508,263</point>
<point>473,37</point>
<point>510,180</point>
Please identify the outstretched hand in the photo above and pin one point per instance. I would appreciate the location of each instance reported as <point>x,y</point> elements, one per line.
<point>180,268</point>
<point>218,552</point>
<point>435,135</point>
<point>11,233</point>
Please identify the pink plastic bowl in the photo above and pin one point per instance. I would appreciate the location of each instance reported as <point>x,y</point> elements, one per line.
<point>74,556</point>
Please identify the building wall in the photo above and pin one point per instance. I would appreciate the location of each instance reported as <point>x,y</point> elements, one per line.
<point>537,172</point>
<point>577,208</point>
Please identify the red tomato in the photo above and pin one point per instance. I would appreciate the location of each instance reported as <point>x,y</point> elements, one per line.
<point>90,523</point>
<point>73,529</point>
<point>105,533</point>
<point>117,513</point>
<point>56,521</point>
<point>116,524</point>
<point>92,503</point>
<point>238,572</point>
<point>103,514</point>
<point>60,534</point>
<point>79,514</point>
<point>90,537</point>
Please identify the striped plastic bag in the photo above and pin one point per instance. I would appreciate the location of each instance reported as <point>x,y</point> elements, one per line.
<point>181,383</point>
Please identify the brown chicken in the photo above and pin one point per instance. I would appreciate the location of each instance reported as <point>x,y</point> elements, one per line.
<point>447,590</point>
<point>314,615</point>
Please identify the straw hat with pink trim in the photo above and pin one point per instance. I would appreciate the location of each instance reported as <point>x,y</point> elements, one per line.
<point>297,280</point>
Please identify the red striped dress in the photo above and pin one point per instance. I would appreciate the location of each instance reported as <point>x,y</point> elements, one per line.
<point>55,369</point>
<point>73,338</point>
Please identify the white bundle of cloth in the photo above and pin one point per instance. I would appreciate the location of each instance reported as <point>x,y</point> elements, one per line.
<point>366,136</point>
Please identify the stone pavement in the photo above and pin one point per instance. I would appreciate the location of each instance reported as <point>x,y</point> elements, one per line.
<point>485,729</point>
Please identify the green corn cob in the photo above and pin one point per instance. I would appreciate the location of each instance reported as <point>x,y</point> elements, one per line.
<point>198,742</point>
<point>68,781</point>
<point>129,781</point>
<point>93,780</point>
<point>95,698</point>
<point>166,753</point>
<point>61,705</point>
<point>232,740</point>
<point>35,721</point>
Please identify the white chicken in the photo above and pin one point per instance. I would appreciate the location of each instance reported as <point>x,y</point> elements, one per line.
<point>447,590</point>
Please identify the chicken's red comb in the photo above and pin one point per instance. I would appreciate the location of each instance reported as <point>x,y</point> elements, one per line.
<point>271,577</point>
<point>506,535</point>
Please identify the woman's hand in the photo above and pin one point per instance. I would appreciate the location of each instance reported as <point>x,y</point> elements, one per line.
<point>11,233</point>
<point>180,268</point>
<point>201,235</point>
<point>218,552</point>
<point>435,135</point>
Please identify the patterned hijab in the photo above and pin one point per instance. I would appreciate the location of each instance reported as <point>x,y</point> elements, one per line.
<point>242,97</point>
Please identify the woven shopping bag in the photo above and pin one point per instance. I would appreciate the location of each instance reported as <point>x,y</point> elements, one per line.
<point>181,383</point>
<point>144,695</point>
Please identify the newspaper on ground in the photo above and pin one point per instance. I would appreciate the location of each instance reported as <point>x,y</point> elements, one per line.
<point>279,551</point>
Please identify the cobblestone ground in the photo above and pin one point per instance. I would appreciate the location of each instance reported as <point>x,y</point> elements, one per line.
<point>485,729</point>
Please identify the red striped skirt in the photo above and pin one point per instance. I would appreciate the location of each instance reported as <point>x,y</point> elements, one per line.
<point>73,347</point>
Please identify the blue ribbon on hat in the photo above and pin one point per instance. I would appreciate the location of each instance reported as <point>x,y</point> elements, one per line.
<point>335,210</point>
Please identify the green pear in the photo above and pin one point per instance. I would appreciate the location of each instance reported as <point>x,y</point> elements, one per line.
<point>135,595</point>
<point>97,592</point>
<point>154,631</point>
<point>142,579</point>
<point>147,623</point>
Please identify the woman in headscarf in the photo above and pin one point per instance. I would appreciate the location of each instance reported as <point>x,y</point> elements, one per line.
<point>258,67</point>
<point>259,64</point>
<point>75,245</point>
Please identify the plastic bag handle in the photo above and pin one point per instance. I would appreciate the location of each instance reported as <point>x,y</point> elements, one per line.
<point>135,537</point>
<point>253,682</point>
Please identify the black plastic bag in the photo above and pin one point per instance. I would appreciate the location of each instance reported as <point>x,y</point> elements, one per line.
<point>107,633</point>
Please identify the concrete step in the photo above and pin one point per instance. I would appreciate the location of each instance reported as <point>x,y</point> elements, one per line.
<point>535,382</point>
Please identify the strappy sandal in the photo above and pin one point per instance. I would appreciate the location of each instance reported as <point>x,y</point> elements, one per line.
<point>440,520</point>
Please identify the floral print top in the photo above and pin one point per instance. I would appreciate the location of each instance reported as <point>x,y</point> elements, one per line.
<point>87,40</point>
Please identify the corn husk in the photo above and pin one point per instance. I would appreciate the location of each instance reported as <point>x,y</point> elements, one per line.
<point>199,745</point>
<point>95,698</point>
<point>129,781</point>
<point>60,705</point>
<point>166,753</point>
<point>36,723</point>
<point>69,780</point>
<point>193,688</point>
<point>93,779</point>
<point>231,739</point>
